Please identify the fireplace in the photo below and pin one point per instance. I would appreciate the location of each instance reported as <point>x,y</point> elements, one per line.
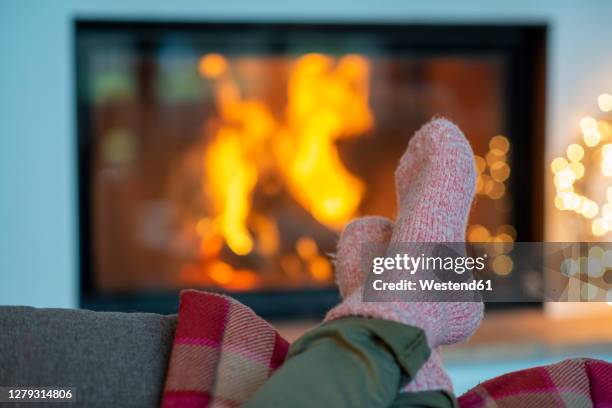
<point>228,157</point>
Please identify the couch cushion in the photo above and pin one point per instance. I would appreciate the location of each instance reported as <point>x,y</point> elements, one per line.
<point>112,359</point>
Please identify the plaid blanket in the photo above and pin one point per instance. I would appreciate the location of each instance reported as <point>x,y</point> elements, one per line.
<point>222,352</point>
<point>571,383</point>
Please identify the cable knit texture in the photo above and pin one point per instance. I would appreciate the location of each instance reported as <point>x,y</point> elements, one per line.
<point>435,183</point>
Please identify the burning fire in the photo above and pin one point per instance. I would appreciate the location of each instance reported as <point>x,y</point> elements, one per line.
<point>232,176</point>
<point>327,101</point>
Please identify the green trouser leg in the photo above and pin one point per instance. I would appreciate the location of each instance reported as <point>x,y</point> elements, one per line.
<point>351,362</point>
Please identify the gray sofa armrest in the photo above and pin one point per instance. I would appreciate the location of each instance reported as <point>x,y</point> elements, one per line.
<point>112,359</point>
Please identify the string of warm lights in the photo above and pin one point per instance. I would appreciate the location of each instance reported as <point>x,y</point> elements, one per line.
<point>578,177</point>
<point>493,171</point>
<point>578,170</point>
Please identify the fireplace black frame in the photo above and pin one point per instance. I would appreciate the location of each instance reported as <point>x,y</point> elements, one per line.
<point>523,44</point>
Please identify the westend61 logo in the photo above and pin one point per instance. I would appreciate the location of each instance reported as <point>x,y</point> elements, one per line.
<point>459,271</point>
<point>433,285</point>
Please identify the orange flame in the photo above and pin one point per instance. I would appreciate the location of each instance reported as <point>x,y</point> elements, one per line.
<point>232,177</point>
<point>327,101</point>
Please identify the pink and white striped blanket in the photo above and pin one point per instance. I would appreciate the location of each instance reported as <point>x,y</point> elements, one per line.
<point>222,352</point>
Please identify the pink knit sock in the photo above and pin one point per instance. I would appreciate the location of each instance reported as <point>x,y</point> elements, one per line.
<point>360,235</point>
<point>435,182</point>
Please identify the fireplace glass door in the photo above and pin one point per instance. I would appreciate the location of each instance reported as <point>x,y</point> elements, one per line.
<point>228,157</point>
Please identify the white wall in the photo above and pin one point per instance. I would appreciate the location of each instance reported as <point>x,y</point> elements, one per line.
<point>38,239</point>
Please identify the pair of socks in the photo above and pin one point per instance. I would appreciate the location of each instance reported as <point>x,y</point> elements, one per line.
<point>435,184</point>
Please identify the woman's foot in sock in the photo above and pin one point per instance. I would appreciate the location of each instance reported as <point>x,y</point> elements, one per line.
<point>361,241</point>
<point>435,183</point>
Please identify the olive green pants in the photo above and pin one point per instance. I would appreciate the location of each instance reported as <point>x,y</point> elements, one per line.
<point>352,362</point>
